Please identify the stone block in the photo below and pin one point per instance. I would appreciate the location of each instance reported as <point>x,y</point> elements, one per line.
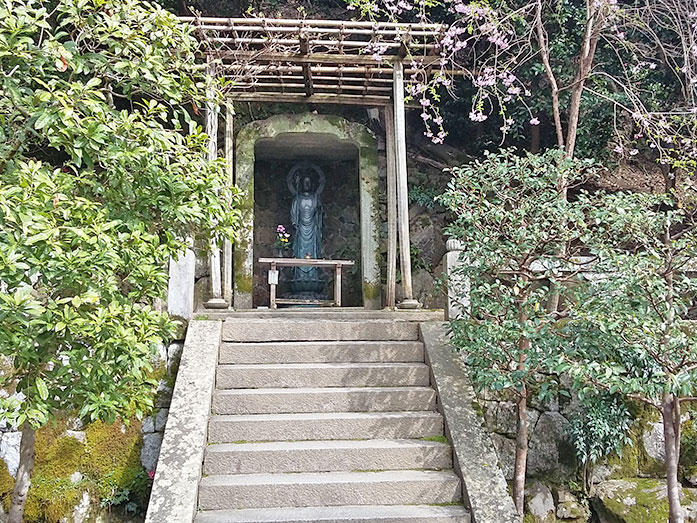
<point>539,502</point>
<point>161,420</point>
<point>151,450</point>
<point>9,450</point>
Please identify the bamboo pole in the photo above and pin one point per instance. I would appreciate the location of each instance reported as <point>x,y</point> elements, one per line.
<point>371,101</point>
<point>324,43</point>
<point>314,29</point>
<point>310,22</point>
<point>402,189</point>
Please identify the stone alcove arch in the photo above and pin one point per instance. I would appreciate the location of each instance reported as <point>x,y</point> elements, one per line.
<point>335,129</point>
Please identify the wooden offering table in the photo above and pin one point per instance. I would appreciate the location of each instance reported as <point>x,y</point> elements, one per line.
<point>276,263</point>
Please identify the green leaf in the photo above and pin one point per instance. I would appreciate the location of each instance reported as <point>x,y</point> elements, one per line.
<point>42,389</point>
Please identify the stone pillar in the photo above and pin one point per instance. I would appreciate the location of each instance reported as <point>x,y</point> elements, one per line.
<point>458,284</point>
<point>216,301</point>
<point>180,293</point>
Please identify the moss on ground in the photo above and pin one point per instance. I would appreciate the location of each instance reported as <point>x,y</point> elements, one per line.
<point>107,466</point>
<point>7,483</point>
<point>112,458</point>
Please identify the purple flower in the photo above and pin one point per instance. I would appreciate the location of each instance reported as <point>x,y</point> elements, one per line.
<point>534,120</point>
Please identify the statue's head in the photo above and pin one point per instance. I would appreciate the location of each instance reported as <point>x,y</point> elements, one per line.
<point>305,177</point>
<point>306,183</point>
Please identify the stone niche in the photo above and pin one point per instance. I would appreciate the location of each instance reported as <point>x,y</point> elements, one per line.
<point>347,153</point>
<point>340,200</point>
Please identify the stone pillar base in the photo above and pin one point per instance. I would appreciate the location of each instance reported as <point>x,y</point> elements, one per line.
<point>409,304</point>
<point>216,303</point>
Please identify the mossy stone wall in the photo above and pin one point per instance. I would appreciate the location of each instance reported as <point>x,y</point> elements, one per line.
<point>335,128</point>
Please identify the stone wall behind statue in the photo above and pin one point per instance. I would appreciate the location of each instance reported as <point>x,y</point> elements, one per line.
<point>340,199</point>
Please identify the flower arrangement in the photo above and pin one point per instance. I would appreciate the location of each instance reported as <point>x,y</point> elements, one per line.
<point>282,238</point>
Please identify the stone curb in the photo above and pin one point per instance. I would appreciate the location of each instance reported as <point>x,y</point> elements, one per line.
<point>485,488</point>
<point>175,488</point>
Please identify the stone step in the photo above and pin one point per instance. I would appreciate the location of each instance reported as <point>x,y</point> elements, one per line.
<point>321,375</point>
<point>324,426</point>
<point>326,456</point>
<point>346,514</point>
<point>323,399</point>
<point>404,487</point>
<point>318,330</point>
<point>322,352</point>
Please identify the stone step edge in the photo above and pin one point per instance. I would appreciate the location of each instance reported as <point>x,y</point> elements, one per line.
<point>325,478</point>
<point>322,444</point>
<point>320,390</point>
<point>349,513</point>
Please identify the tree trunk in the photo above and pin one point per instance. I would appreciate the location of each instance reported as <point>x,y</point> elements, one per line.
<point>594,24</point>
<point>521,451</point>
<point>535,139</point>
<point>23,480</point>
<point>672,449</point>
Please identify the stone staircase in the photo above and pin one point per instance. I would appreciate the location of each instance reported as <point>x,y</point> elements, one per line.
<point>326,421</point>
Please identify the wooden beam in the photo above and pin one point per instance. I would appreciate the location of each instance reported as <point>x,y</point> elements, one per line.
<point>388,116</point>
<point>370,101</point>
<point>307,71</point>
<point>402,187</point>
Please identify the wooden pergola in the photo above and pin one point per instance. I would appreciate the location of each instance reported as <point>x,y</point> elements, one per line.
<point>322,61</point>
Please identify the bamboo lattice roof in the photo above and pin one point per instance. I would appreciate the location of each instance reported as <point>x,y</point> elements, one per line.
<point>318,61</point>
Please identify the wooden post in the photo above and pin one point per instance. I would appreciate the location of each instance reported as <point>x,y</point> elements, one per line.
<point>337,285</point>
<point>391,207</point>
<point>216,301</point>
<point>230,164</point>
<point>400,145</point>
<point>272,288</point>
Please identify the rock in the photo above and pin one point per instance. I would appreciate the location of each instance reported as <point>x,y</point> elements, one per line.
<point>201,267</point>
<point>505,450</point>
<point>79,435</point>
<point>539,502</point>
<point>174,354</point>
<point>81,512</point>
<point>564,495</point>
<point>74,424</point>
<point>9,451</point>
<point>163,396</point>
<point>161,353</point>
<point>76,477</point>
<point>638,500</point>
<point>151,450</point>
<point>601,472</point>
<point>505,419</point>
<point>654,441</point>
<point>545,441</point>
<point>427,237</point>
<point>569,508</point>
<point>423,286</point>
<point>148,425</point>
<point>692,479</point>
<point>161,420</point>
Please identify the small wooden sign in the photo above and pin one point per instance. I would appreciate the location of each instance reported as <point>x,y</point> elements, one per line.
<point>273,277</point>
